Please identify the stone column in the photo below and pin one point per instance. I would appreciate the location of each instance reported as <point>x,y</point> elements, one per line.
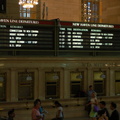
<point>40,82</point>
<point>112,83</point>
<point>66,84</point>
<point>13,85</point>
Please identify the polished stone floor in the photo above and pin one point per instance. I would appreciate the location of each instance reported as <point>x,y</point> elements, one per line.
<point>85,118</point>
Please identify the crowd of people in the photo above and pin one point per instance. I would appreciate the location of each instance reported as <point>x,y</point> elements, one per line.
<point>38,112</point>
<point>97,110</point>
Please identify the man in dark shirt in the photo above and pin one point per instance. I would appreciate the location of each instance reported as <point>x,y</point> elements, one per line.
<point>114,114</point>
<point>102,105</point>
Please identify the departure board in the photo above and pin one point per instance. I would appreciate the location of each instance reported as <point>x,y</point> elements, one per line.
<point>86,36</point>
<point>58,35</point>
<point>26,34</point>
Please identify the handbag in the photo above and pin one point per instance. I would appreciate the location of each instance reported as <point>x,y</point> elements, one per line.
<point>96,108</point>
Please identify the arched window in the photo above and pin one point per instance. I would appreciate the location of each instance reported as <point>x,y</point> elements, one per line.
<point>52,80</point>
<point>90,10</point>
<point>76,84</point>
<point>24,13</point>
<point>25,86</point>
<point>100,82</point>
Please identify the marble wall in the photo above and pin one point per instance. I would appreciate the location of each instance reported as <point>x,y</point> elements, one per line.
<point>66,10</point>
<point>64,65</point>
<point>110,11</point>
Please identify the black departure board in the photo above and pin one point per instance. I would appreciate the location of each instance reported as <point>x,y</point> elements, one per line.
<point>58,35</point>
<point>86,36</point>
<point>26,35</point>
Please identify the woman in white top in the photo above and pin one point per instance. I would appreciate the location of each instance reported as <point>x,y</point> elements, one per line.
<point>59,112</point>
<point>93,102</point>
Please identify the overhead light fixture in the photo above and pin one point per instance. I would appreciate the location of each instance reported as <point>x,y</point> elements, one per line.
<point>28,3</point>
<point>79,76</point>
<point>102,74</point>
<point>55,76</point>
<point>28,77</point>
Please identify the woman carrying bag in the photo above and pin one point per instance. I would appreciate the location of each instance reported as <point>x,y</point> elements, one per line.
<point>94,106</point>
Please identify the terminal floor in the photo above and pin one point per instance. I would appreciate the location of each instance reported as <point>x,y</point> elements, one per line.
<point>85,118</point>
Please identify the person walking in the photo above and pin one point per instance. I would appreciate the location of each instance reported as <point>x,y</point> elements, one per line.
<point>89,94</point>
<point>114,114</point>
<point>102,105</point>
<point>59,112</point>
<point>90,91</point>
<point>35,110</point>
<point>94,106</point>
<point>42,112</point>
